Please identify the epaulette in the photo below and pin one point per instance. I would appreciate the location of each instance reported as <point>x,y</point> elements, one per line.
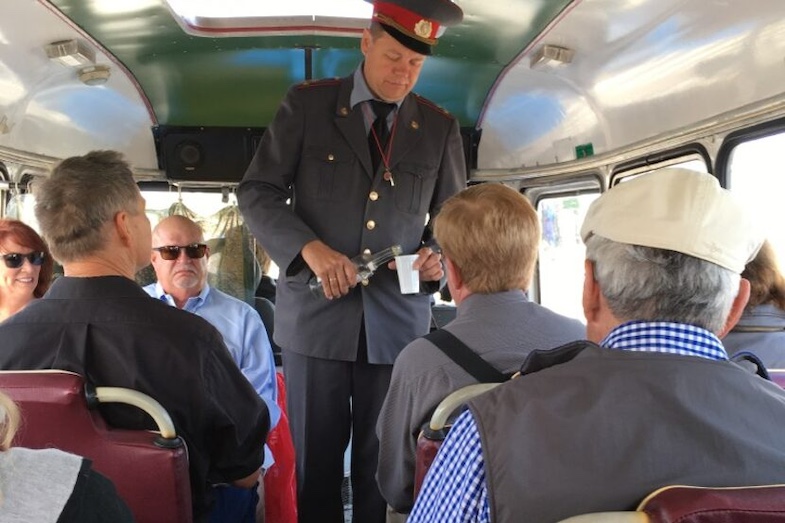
<point>431,105</point>
<point>318,83</point>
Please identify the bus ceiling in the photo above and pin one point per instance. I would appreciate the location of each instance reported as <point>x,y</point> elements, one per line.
<point>555,86</point>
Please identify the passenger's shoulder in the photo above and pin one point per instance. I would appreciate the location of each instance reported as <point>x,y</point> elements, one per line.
<point>419,357</point>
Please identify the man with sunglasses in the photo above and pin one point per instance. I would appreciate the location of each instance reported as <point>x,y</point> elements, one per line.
<point>179,258</point>
<point>96,321</point>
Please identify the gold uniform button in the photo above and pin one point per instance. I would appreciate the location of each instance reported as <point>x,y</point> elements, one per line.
<point>366,251</point>
<point>365,282</point>
<point>373,196</point>
<point>330,157</point>
<point>370,225</point>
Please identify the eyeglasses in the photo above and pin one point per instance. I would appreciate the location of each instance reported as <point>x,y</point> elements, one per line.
<point>172,252</point>
<point>14,260</point>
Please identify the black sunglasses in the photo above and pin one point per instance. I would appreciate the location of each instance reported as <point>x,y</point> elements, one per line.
<point>14,260</point>
<point>172,252</point>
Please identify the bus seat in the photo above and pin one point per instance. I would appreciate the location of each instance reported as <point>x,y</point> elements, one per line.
<point>688,504</point>
<point>149,470</point>
<point>777,376</point>
<point>432,435</point>
<point>266,310</point>
<point>280,487</point>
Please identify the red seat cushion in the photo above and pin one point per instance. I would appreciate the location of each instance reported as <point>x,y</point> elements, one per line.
<point>763,504</point>
<point>152,480</point>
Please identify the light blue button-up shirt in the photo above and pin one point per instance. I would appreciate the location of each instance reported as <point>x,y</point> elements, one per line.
<point>245,337</point>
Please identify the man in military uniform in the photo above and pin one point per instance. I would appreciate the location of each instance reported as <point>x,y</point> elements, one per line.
<point>334,177</point>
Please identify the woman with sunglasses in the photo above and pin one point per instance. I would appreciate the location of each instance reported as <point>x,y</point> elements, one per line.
<point>26,271</point>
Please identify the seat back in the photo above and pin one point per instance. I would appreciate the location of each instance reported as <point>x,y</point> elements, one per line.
<point>149,470</point>
<point>280,482</point>
<point>266,310</point>
<point>432,435</point>
<point>758,504</point>
<point>777,376</point>
<point>685,504</point>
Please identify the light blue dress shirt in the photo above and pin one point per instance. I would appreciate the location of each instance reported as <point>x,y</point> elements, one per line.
<point>455,489</point>
<point>245,337</point>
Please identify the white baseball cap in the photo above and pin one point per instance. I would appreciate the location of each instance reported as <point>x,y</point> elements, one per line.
<point>679,210</point>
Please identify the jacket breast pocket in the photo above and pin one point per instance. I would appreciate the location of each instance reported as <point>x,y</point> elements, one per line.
<point>321,171</point>
<point>414,185</point>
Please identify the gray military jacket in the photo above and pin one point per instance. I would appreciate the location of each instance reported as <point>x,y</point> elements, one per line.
<point>601,431</point>
<point>315,153</point>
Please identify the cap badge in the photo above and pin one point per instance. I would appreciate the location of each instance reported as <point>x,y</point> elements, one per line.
<point>423,28</point>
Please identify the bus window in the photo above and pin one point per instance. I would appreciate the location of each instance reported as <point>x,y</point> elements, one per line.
<point>757,177</point>
<point>232,266</point>
<point>19,206</point>
<point>562,252</point>
<point>692,162</point>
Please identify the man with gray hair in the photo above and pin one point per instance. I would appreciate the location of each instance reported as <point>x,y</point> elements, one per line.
<point>651,400</point>
<point>96,321</point>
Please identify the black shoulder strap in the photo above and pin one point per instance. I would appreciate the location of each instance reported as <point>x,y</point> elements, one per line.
<point>745,355</point>
<point>457,351</point>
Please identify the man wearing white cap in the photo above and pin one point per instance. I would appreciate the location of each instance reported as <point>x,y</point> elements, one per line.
<point>352,166</point>
<point>651,400</point>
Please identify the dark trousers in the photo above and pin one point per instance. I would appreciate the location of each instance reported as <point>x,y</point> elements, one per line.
<point>235,505</point>
<point>326,399</point>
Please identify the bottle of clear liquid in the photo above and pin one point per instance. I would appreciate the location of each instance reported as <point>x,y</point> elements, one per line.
<point>366,265</point>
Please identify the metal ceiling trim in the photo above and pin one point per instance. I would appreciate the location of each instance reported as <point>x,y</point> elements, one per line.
<point>117,63</point>
<point>722,124</point>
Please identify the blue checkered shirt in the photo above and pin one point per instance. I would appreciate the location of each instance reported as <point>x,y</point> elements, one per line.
<point>455,490</point>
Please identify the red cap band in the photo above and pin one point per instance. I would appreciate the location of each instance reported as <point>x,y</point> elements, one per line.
<point>411,24</point>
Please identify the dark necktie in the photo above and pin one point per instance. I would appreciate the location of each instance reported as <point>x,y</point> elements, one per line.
<point>379,131</point>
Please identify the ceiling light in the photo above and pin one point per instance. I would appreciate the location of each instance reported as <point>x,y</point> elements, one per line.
<point>548,55</point>
<point>94,74</point>
<point>72,52</point>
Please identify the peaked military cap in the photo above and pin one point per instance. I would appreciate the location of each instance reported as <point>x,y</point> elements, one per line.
<point>417,24</point>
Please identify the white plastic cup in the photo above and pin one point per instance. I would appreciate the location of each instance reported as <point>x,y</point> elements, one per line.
<point>408,278</point>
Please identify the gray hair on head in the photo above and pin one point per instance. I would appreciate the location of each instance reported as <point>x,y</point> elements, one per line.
<point>649,284</point>
<point>80,197</point>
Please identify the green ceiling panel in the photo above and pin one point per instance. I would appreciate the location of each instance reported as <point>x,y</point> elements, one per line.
<point>239,81</point>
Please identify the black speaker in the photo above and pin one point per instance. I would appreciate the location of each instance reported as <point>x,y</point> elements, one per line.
<point>205,154</point>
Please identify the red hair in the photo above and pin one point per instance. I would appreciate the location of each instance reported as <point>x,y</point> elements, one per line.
<point>24,235</point>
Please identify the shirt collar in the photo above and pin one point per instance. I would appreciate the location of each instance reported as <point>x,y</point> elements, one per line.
<point>360,90</point>
<point>71,287</point>
<point>192,304</point>
<point>667,337</point>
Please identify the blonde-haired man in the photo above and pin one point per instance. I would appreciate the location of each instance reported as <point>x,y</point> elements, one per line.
<point>489,236</point>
